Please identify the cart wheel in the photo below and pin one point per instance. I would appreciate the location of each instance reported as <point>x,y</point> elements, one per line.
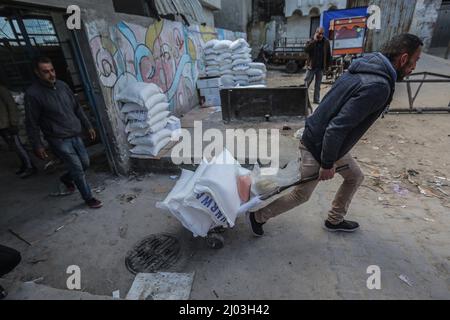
<point>215,241</point>
<point>292,66</point>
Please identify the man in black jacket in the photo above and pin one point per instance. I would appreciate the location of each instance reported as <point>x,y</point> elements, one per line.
<point>354,103</point>
<point>319,52</point>
<point>52,107</point>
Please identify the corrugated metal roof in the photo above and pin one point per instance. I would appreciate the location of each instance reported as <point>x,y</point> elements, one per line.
<point>191,9</point>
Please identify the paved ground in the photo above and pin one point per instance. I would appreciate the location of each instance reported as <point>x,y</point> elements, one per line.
<point>403,231</point>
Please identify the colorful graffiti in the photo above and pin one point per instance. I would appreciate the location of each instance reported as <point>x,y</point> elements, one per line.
<point>167,53</point>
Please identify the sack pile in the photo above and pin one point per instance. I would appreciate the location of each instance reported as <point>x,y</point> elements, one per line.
<point>232,62</point>
<point>146,112</point>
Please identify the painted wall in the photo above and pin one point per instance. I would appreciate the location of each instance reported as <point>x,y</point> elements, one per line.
<point>166,53</point>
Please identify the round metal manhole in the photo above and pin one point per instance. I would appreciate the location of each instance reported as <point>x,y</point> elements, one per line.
<point>153,254</point>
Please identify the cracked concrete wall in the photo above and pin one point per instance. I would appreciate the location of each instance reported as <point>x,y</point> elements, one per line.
<point>424,20</point>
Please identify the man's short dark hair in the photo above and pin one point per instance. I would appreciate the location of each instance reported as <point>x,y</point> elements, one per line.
<point>403,43</point>
<point>40,60</point>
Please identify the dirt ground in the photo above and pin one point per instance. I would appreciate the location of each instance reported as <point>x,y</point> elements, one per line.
<point>403,208</point>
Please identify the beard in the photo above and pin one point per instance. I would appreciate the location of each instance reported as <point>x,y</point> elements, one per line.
<point>401,74</point>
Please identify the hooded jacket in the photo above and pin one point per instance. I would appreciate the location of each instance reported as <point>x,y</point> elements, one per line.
<point>53,110</point>
<point>354,103</point>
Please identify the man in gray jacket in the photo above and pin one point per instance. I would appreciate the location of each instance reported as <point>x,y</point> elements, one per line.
<point>51,106</point>
<point>354,103</point>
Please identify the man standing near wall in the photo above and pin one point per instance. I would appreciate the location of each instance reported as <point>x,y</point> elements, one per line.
<point>9,120</point>
<point>319,52</point>
<point>51,106</point>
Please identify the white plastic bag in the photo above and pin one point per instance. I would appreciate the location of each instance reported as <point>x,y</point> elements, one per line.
<point>136,115</point>
<point>155,99</point>
<point>238,44</point>
<point>150,150</point>
<point>138,92</point>
<point>219,180</point>
<point>158,126</point>
<point>222,45</point>
<point>133,125</point>
<point>152,139</point>
<point>267,179</point>
<point>157,118</point>
<point>196,221</point>
<point>160,107</point>
<point>130,107</point>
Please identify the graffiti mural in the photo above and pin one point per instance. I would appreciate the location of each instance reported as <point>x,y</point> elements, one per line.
<point>167,53</point>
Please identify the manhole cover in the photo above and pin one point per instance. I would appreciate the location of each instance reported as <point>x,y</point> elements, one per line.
<point>156,253</point>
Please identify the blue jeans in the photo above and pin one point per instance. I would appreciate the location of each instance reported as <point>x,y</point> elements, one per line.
<point>318,74</point>
<point>76,159</point>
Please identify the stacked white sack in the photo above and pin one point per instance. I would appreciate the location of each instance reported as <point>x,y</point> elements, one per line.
<point>257,74</point>
<point>218,61</point>
<point>146,111</point>
<point>241,61</point>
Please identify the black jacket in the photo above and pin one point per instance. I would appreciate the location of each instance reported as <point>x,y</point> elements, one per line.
<point>354,103</point>
<point>55,111</point>
<point>310,49</point>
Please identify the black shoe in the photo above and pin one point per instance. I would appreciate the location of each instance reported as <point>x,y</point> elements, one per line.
<point>3,293</point>
<point>316,102</point>
<point>94,203</point>
<point>256,227</point>
<point>27,173</point>
<point>344,226</point>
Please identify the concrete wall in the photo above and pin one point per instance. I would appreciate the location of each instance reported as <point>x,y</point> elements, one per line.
<point>306,6</point>
<point>424,20</point>
<point>441,36</point>
<point>209,16</point>
<point>234,15</point>
<point>298,27</point>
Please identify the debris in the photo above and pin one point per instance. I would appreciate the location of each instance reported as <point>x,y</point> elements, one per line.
<point>36,261</point>
<point>412,172</point>
<point>56,230</point>
<point>78,212</point>
<point>428,219</point>
<point>100,189</point>
<point>40,279</point>
<point>286,128</point>
<point>401,191</point>
<point>116,294</point>
<point>375,148</point>
<point>215,293</point>
<point>405,279</point>
<point>174,177</point>
<point>440,189</point>
<point>129,198</point>
<point>19,237</point>
<point>161,286</point>
<point>123,232</point>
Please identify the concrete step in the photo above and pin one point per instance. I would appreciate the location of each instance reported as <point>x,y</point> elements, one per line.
<point>33,291</point>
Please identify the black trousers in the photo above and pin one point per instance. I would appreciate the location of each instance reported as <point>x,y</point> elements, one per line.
<point>9,259</point>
